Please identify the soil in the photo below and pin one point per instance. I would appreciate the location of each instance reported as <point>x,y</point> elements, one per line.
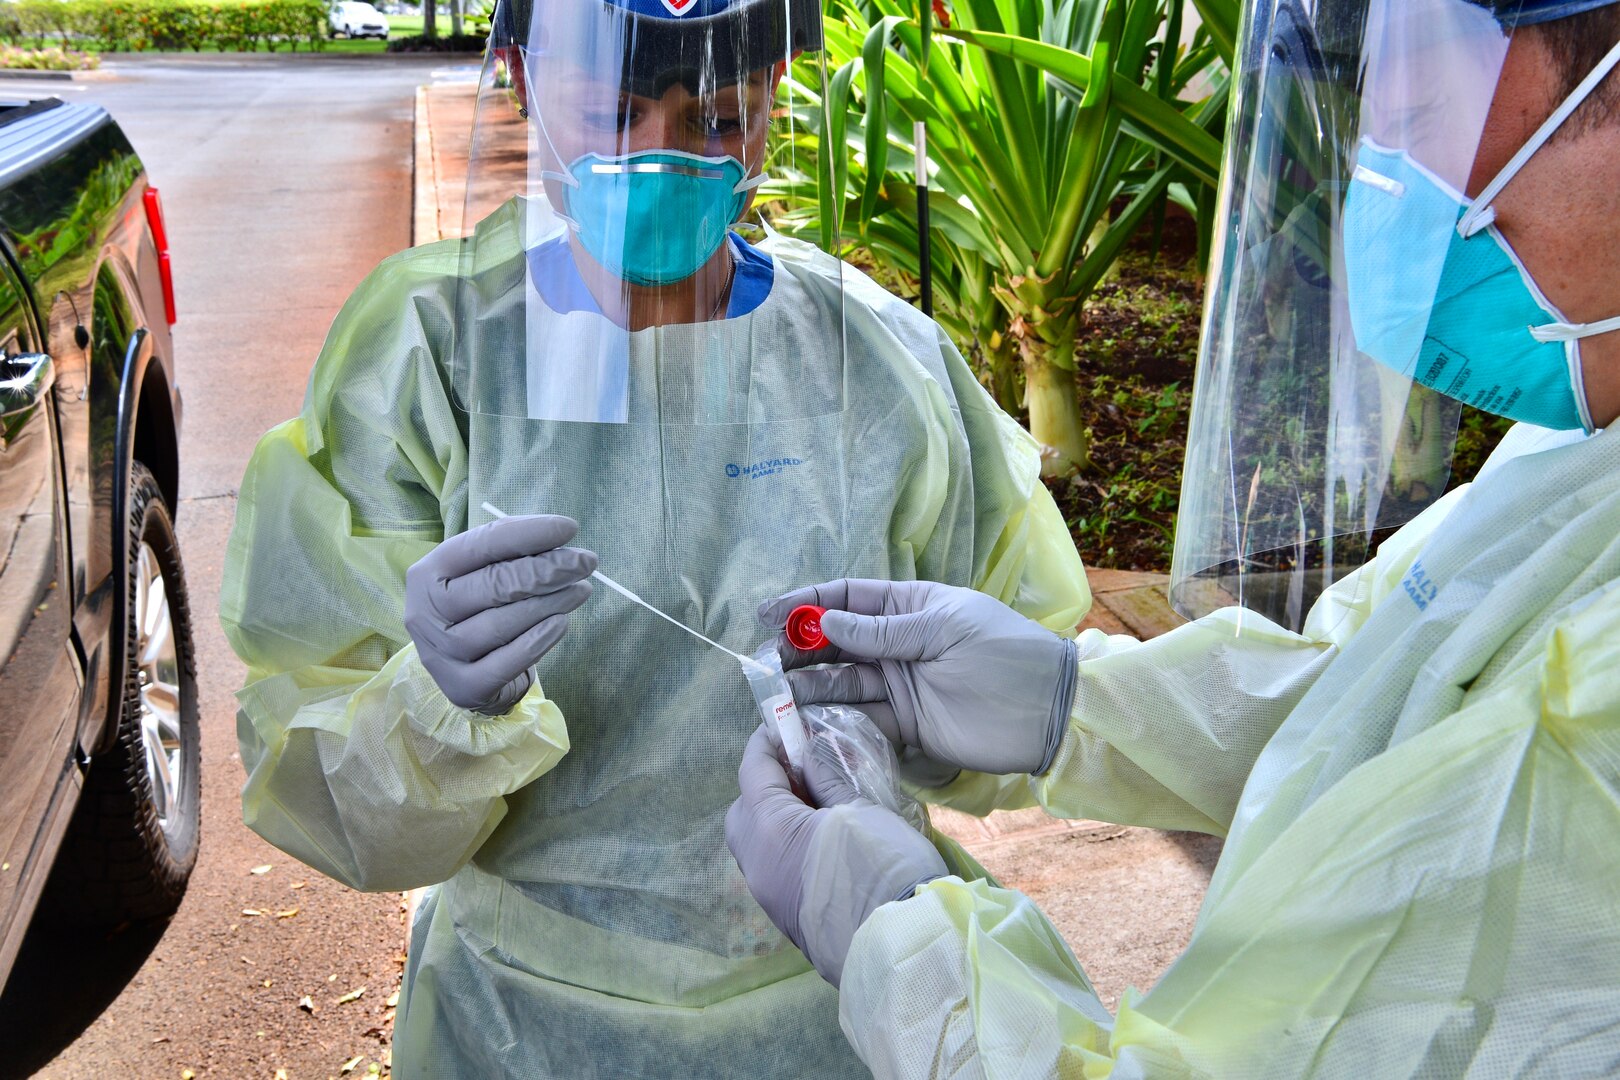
<point>1134,369</point>
<point>1133,373</point>
<point>1125,899</point>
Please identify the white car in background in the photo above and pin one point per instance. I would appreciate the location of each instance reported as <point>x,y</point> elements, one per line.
<point>358,19</point>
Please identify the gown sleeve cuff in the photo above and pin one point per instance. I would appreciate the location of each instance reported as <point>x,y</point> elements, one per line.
<point>965,970</point>
<point>533,727</point>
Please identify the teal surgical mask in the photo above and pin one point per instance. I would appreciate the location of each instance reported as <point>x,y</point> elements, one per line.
<point>1437,293</point>
<point>654,217</point>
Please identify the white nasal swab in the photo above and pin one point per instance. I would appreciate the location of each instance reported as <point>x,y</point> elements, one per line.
<point>746,661</point>
<point>634,599</point>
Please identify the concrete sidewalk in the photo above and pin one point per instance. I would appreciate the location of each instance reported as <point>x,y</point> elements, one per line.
<point>1124,898</point>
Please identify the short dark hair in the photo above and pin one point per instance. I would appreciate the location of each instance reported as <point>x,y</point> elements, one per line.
<point>1576,45</point>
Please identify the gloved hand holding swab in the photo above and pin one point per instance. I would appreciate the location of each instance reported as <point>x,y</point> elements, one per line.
<point>747,662</point>
<point>764,675</point>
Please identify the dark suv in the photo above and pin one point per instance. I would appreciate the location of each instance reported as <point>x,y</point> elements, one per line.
<point>98,700</point>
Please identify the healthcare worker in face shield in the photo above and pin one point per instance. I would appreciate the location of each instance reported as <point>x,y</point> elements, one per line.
<point>607,359</point>
<point>1418,774</point>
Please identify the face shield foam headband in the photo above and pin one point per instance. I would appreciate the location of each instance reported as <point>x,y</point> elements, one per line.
<point>1436,291</point>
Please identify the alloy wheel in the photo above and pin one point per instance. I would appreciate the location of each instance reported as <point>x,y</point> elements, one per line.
<point>158,674</point>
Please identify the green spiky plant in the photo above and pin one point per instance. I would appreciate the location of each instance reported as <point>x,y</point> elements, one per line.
<point>1055,128</point>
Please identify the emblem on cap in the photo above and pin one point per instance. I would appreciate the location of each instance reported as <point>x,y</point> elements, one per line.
<point>679,7</point>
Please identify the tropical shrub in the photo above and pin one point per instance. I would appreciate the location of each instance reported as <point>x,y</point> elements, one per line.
<point>53,58</point>
<point>445,43</point>
<point>1054,130</point>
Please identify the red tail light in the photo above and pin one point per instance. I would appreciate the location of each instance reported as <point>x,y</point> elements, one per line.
<point>154,218</point>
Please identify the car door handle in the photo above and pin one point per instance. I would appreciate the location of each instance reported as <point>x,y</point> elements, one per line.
<point>25,379</point>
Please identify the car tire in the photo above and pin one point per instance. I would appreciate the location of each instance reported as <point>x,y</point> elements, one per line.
<point>133,841</point>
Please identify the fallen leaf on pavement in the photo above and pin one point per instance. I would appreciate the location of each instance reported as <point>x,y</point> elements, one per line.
<point>299,884</point>
<point>187,1074</point>
<point>251,911</point>
<point>374,1069</point>
<point>289,913</point>
<point>393,999</point>
<point>265,869</point>
<point>348,1066</point>
<point>281,1074</point>
<point>267,984</point>
<point>352,995</point>
<point>307,1003</point>
<point>245,960</point>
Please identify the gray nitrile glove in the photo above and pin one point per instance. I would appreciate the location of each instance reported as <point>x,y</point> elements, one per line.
<point>483,607</point>
<point>820,873</point>
<point>951,671</point>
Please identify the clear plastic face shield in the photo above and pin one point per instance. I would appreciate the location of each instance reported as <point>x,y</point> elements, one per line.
<point>1343,295</point>
<point>609,275</point>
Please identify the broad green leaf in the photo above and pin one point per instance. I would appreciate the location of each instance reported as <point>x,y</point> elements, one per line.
<point>1094,128</point>
<point>835,148</point>
<point>1104,255</point>
<point>1160,122</point>
<point>925,22</point>
<point>1220,18</point>
<point>875,52</point>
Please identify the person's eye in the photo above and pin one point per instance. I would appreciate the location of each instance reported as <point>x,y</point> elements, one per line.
<point>720,127</point>
<point>610,119</point>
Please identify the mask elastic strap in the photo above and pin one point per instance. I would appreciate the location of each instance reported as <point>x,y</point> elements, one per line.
<point>539,121</point>
<point>1480,215</point>
<point>1574,331</point>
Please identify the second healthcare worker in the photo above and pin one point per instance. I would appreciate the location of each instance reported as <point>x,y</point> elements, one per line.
<point>1418,774</point>
<point>721,419</point>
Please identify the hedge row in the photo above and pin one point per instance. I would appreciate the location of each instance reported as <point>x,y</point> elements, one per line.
<point>138,25</point>
<point>444,43</point>
<point>54,58</point>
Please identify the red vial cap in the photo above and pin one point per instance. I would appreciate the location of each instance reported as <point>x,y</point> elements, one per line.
<point>804,627</point>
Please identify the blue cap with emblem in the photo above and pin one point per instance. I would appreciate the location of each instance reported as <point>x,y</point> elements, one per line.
<point>1513,13</point>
